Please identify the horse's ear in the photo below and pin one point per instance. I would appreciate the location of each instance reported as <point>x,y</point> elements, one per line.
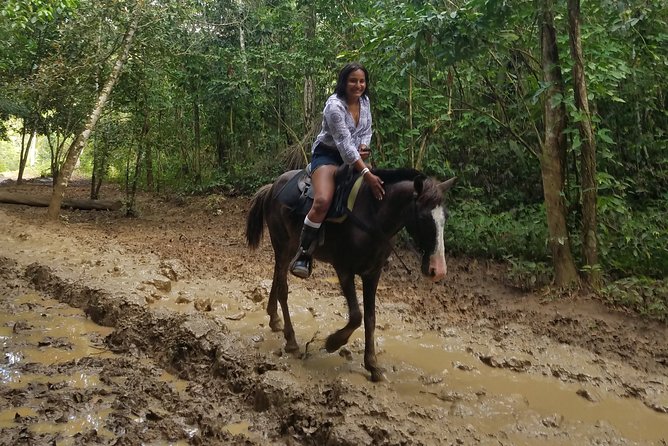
<point>444,186</point>
<point>418,184</point>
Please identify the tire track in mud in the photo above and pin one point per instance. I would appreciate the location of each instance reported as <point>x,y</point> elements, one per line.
<point>139,407</point>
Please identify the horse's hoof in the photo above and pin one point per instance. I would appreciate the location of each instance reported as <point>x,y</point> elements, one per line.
<point>377,375</point>
<point>276,324</point>
<point>291,348</point>
<point>332,344</point>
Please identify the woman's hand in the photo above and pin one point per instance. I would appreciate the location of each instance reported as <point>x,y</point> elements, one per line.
<point>373,181</point>
<point>376,185</point>
<point>364,151</point>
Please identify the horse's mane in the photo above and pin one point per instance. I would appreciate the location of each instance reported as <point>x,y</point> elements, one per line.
<point>431,195</point>
<point>391,176</point>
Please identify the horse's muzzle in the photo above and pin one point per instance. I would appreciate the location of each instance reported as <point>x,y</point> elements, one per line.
<point>436,269</point>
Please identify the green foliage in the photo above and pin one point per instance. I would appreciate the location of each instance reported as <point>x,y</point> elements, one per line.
<point>643,295</point>
<point>527,275</point>
<point>634,242</point>
<point>240,180</point>
<point>457,90</point>
<point>9,157</point>
<point>474,229</point>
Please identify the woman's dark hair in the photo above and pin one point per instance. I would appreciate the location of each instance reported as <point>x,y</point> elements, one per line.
<point>342,81</point>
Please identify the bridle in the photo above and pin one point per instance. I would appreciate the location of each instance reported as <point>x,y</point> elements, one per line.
<point>377,232</point>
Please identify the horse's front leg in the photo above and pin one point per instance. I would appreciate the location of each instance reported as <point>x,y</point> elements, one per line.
<point>369,286</point>
<point>340,337</point>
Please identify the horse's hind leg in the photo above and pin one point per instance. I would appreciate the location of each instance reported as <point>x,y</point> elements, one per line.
<point>279,293</point>
<point>340,337</point>
<point>278,286</point>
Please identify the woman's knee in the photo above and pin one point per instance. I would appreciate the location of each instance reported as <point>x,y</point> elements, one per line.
<point>321,204</point>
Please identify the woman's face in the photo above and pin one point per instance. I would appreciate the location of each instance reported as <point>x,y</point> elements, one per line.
<point>356,84</point>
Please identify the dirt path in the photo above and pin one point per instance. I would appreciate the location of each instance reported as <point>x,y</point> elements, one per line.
<point>180,350</point>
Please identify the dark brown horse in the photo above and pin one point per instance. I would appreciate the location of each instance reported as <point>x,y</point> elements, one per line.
<point>360,245</point>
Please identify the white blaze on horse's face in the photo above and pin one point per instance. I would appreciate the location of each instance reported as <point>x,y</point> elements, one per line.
<point>437,267</point>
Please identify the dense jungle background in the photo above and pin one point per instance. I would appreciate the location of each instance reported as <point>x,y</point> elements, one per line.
<point>551,114</point>
<point>145,323</point>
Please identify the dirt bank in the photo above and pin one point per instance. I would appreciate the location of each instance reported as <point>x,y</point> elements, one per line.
<point>181,350</point>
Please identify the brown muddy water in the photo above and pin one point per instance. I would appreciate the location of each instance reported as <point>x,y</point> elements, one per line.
<point>187,360</point>
<point>425,368</point>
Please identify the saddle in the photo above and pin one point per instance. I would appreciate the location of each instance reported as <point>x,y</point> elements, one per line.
<point>297,193</point>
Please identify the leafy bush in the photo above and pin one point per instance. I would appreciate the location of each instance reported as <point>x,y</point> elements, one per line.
<point>9,157</point>
<point>527,275</point>
<point>473,229</point>
<point>644,295</point>
<point>635,242</point>
<point>241,179</point>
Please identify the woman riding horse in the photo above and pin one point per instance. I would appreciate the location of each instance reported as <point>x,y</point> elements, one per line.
<point>344,137</point>
<point>358,246</point>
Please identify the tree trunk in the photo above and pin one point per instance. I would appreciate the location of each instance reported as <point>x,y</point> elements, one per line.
<point>148,150</point>
<point>148,165</point>
<point>197,133</point>
<point>25,149</point>
<point>141,150</point>
<point>99,205</point>
<point>309,81</point>
<point>588,150</point>
<point>553,155</point>
<point>79,142</point>
<point>410,117</point>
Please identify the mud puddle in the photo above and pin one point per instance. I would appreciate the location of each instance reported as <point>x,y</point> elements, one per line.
<point>59,382</point>
<point>446,371</point>
<point>43,332</point>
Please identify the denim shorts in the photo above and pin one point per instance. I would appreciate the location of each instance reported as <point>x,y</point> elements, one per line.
<point>323,155</point>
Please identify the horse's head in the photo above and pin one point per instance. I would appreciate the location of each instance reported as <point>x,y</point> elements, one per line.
<point>426,224</point>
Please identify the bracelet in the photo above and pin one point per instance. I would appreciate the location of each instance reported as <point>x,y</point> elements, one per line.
<point>365,171</point>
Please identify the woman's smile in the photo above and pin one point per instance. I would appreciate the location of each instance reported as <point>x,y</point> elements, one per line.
<point>356,84</point>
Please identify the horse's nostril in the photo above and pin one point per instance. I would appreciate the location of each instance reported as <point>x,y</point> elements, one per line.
<point>432,272</point>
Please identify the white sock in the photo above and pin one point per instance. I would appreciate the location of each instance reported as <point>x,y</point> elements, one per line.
<point>312,224</point>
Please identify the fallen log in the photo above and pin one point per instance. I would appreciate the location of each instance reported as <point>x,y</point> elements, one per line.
<point>84,204</point>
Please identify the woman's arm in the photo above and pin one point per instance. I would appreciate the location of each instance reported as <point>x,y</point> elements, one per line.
<point>335,116</point>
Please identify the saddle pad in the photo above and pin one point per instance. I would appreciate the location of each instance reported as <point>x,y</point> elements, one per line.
<point>297,194</point>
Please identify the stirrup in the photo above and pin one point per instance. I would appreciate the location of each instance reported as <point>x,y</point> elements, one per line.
<point>302,265</point>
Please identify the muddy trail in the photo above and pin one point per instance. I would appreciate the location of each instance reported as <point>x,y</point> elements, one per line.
<point>152,330</point>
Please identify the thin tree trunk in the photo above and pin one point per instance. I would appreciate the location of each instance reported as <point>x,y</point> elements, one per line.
<point>410,117</point>
<point>309,81</point>
<point>100,164</point>
<point>587,152</point>
<point>148,162</point>
<point>142,145</point>
<point>197,133</point>
<point>54,153</point>
<point>74,152</point>
<point>25,149</point>
<point>553,156</point>
<point>132,190</point>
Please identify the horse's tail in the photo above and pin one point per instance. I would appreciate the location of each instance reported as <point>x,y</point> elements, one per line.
<point>255,220</point>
